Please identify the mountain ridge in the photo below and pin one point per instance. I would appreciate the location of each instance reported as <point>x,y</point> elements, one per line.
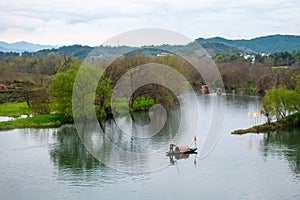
<point>263,44</point>
<point>22,46</point>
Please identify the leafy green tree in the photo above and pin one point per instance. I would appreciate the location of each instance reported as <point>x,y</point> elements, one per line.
<point>103,97</point>
<point>61,88</point>
<point>280,101</point>
<point>272,102</point>
<point>90,95</point>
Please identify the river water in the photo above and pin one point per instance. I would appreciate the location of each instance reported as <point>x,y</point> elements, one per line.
<point>55,164</point>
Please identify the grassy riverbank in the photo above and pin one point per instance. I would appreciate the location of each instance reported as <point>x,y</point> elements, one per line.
<point>14,109</point>
<point>287,122</point>
<point>17,109</point>
<point>40,121</point>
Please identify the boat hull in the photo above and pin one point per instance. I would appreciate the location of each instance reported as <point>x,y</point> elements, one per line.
<point>190,151</point>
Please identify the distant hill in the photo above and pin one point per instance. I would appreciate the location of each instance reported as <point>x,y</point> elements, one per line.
<point>80,51</point>
<point>23,46</point>
<point>73,50</point>
<point>266,44</point>
<point>83,51</point>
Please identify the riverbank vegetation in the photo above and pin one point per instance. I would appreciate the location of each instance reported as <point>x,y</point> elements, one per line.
<point>282,105</point>
<point>39,121</point>
<point>289,121</point>
<point>14,109</point>
<point>258,73</point>
<point>42,83</point>
<point>42,92</point>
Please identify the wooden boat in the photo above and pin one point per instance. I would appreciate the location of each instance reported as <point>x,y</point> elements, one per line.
<point>219,91</point>
<point>177,150</point>
<point>205,89</point>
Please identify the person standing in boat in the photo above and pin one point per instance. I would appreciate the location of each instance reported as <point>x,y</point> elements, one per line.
<point>171,148</point>
<point>177,150</point>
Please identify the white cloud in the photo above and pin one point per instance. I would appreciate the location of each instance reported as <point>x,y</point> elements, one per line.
<point>92,22</point>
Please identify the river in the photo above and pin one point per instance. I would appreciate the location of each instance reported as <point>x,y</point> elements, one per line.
<point>55,164</point>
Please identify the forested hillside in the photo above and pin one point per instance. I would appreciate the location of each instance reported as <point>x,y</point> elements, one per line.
<point>266,44</point>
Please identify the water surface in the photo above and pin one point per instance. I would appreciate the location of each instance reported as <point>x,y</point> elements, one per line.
<point>54,164</point>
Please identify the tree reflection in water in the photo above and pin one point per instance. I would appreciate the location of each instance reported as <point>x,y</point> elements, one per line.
<point>70,153</point>
<point>76,165</point>
<point>284,143</point>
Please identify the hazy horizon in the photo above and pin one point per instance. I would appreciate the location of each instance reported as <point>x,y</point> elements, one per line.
<point>60,45</point>
<point>92,22</point>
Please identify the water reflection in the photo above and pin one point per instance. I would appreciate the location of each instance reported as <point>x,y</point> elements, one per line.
<point>76,166</point>
<point>69,152</point>
<point>127,153</point>
<point>284,144</point>
<point>174,158</point>
<point>142,145</point>
<point>70,156</point>
<point>53,163</point>
<point>256,142</point>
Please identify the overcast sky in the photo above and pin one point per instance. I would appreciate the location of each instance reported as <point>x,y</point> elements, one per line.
<point>91,22</point>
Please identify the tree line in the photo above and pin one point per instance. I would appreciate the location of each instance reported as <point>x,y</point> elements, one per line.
<point>45,81</point>
<point>274,59</point>
<point>260,74</point>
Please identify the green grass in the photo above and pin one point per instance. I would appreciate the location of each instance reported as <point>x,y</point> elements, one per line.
<point>14,109</point>
<point>142,103</point>
<point>292,120</point>
<point>40,121</point>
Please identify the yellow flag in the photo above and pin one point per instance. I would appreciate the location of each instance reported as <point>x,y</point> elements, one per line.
<point>255,114</point>
<point>249,114</point>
